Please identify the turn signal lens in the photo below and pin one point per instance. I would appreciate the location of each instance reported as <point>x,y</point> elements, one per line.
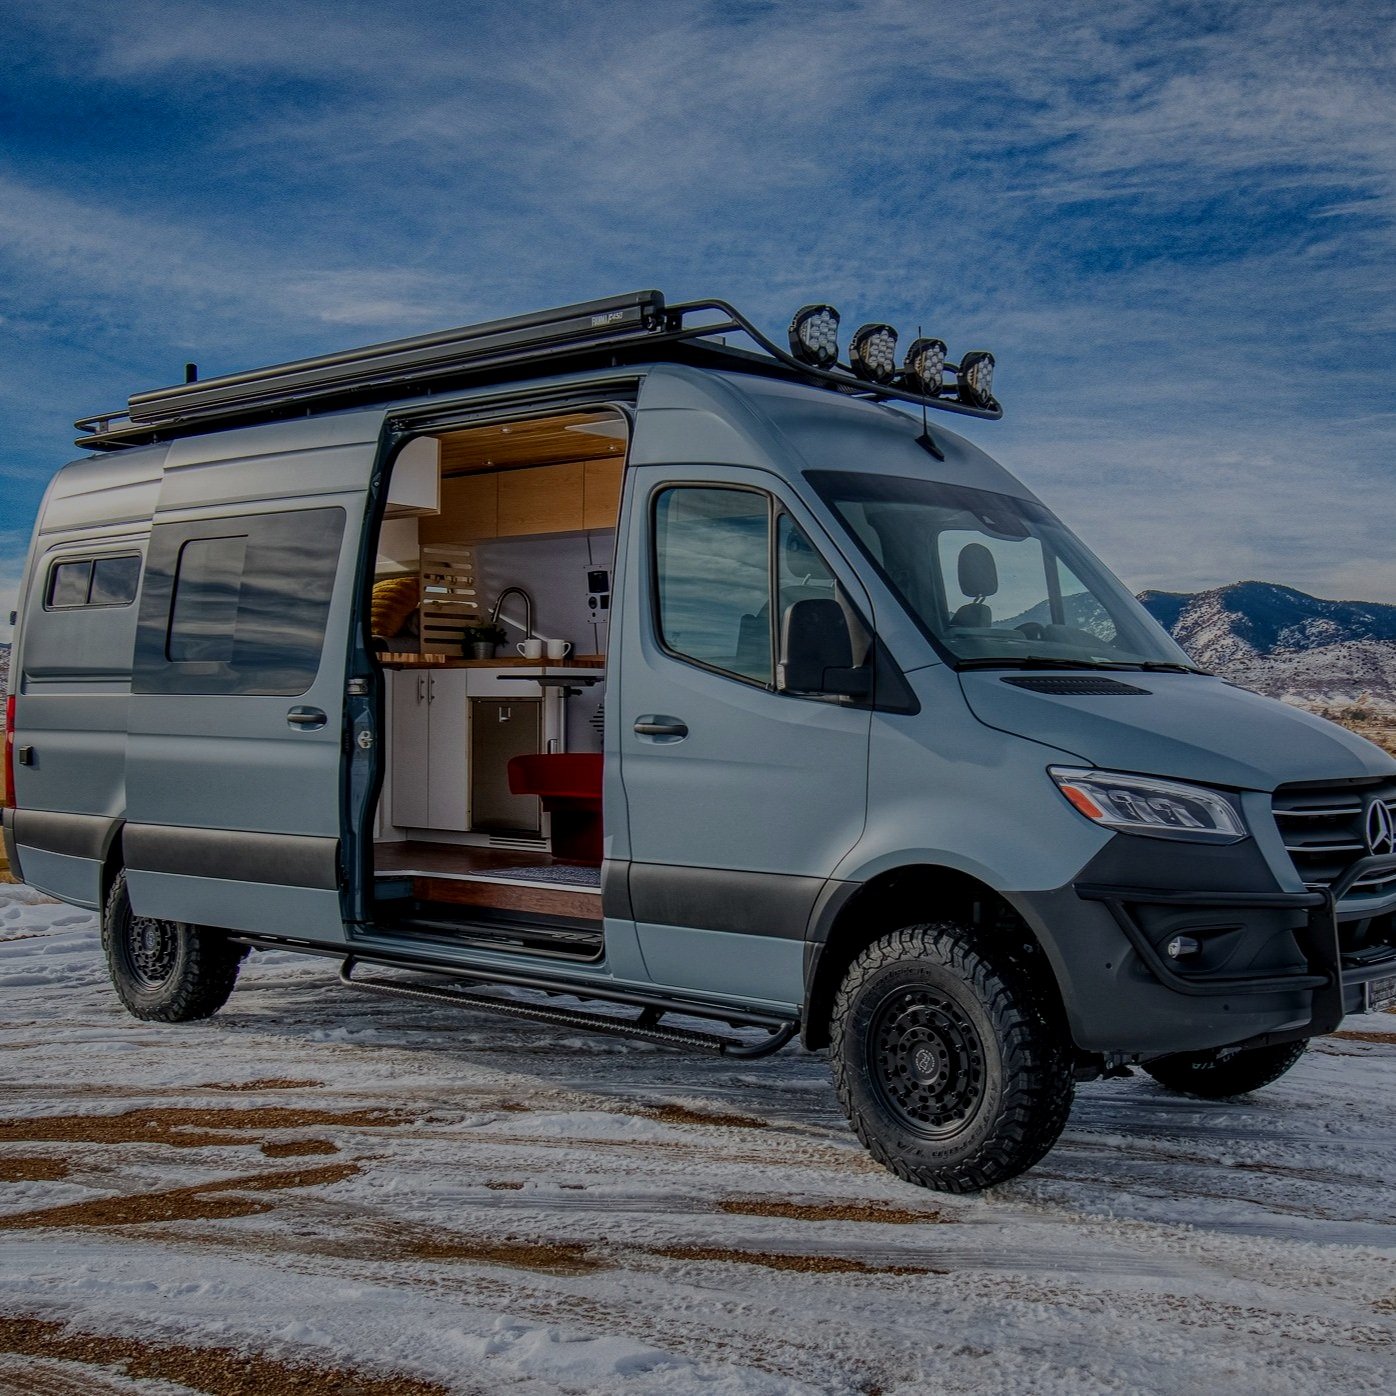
<point>1161,809</point>
<point>814,335</point>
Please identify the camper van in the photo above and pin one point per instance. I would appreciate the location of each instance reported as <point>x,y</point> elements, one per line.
<point>624,668</point>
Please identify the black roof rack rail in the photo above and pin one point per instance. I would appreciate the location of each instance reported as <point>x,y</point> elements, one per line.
<point>638,327</point>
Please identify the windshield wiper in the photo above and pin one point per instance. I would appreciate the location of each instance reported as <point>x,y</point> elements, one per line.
<point>1161,666</point>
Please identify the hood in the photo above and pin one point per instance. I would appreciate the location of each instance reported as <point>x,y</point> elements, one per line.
<point>1190,726</point>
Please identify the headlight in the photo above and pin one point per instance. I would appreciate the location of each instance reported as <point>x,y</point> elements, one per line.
<point>1162,809</point>
<point>872,353</point>
<point>977,378</point>
<point>814,335</point>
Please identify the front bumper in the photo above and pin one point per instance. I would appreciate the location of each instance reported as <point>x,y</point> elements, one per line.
<point>1274,965</point>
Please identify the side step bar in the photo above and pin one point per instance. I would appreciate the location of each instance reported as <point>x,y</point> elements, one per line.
<point>646,1026</point>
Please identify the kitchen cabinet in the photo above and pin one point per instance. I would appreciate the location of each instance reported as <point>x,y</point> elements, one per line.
<point>430,779</point>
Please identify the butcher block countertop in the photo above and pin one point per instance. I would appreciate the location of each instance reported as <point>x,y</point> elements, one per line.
<point>403,660</point>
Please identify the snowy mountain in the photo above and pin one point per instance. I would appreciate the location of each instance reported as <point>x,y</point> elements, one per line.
<point>1285,643</point>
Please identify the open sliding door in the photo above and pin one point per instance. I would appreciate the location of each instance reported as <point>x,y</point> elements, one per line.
<point>237,724</point>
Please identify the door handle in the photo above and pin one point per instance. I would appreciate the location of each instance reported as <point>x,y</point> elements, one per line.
<point>661,728</point>
<point>307,719</point>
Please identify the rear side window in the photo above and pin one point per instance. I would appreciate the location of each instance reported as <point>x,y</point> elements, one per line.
<point>237,605</point>
<point>93,581</point>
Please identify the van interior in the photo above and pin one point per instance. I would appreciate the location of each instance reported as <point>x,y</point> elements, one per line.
<point>491,604</point>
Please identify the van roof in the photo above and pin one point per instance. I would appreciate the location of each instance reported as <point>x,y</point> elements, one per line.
<point>630,329</point>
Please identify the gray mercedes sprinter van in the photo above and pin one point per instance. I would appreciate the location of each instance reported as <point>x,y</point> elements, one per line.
<point>588,653</point>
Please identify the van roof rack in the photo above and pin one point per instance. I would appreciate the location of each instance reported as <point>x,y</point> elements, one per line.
<point>635,328</point>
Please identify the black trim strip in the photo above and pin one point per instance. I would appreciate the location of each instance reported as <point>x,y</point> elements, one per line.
<point>724,899</point>
<point>234,855</point>
<point>53,831</point>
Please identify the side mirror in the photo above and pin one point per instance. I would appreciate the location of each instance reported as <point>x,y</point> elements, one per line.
<point>817,651</point>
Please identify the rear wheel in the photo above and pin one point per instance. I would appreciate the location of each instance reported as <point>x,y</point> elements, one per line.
<point>949,1064</point>
<point>1212,1077</point>
<point>166,971</point>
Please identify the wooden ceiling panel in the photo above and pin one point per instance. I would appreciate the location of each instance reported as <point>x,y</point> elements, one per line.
<point>574,436</point>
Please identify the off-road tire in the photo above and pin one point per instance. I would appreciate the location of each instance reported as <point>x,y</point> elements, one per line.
<point>1204,1075</point>
<point>166,971</point>
<point>994,1090</point>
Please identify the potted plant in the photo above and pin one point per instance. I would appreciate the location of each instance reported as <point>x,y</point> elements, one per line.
<point>479,641</point>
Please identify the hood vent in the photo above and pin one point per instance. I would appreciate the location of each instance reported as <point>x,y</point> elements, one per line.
<point>1069,686</point>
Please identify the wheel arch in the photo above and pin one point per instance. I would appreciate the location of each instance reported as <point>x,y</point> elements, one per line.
<point>852,915</point>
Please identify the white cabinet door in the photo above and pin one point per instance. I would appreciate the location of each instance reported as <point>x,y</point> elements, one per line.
<point>411,756</point>
<point>448,747</point>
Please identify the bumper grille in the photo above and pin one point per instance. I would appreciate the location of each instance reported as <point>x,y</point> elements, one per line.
<point>1324,830</point>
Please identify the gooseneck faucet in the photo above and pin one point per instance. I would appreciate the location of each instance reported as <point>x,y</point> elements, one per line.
<point>528,610</point>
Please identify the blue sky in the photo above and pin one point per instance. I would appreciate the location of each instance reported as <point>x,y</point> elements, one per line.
<point>1173,223</point>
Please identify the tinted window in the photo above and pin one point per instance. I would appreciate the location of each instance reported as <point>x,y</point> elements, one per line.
<point>237,606</point>
<point>208,583</point>
<point>713,577</point>
<point>115,581</point>
<point>68,583</point>
<point>100,581</point>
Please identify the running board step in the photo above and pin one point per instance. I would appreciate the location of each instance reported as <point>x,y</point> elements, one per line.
<point>646,1026</point>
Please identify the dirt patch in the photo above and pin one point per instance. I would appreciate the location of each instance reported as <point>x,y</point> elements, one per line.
<point>214,1371</point>
<point>683,1115</point>
<point>803,1264</point>
<point>504,1187</point>
<point>550,1257</point>
<point>828,1211</point>
<point>202,1202</point>
<point>267,1083</point>
<point>186,1127</point>
<point>299,1148</point>
<point>1351,1035</point>
<point>32,1170</point>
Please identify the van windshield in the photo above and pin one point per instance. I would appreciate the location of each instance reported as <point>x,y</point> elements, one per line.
<point>995,581</point>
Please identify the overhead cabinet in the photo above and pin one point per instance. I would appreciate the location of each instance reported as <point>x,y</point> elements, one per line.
<point>563,498</point>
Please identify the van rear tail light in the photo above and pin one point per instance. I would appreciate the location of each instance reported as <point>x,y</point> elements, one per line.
<point>9,791</point>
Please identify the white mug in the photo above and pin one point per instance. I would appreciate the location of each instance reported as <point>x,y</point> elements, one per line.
<point>531,648</point>
<point>559,649</point>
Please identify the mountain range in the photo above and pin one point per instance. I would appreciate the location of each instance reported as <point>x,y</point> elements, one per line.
<point>1285,643</point>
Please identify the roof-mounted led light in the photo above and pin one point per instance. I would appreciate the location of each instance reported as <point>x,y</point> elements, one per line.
<point>977,378</point>
<point>814,335</point>
<point>872,353</point>
<point>924,368</point>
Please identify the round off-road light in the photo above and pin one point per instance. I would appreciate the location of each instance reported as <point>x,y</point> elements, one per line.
<point>977,378</point>
<point>924,368</point>
<point>872,353</point>
<point>814,335</point>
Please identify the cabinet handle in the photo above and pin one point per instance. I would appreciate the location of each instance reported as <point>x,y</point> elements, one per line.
<point>421,687</point>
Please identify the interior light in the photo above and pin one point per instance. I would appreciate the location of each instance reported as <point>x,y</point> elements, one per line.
<point>977,378</point>
<point>925,365</point>
<point>872,353</point>
<point>814,335</point>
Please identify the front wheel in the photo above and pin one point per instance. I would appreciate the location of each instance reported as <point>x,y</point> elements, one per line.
<point>166,971</point>
<point>1212,1077</point>
<point>948,1061</point>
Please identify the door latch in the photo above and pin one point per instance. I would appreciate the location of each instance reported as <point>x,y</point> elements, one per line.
<point>364,739</point>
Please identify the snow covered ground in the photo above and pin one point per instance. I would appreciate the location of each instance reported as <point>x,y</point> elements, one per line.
<point>317,1176</point>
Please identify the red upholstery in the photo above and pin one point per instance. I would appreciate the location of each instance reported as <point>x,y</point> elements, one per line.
<point>569,784</point>
<point>568,775</point>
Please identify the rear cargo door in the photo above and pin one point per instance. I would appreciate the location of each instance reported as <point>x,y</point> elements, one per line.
<point>237,726</point>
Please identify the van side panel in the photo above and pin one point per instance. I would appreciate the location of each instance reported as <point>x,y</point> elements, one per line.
<point>71,675</point>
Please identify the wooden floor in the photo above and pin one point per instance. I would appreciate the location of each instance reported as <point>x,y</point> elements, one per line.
<point>471,876</point>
